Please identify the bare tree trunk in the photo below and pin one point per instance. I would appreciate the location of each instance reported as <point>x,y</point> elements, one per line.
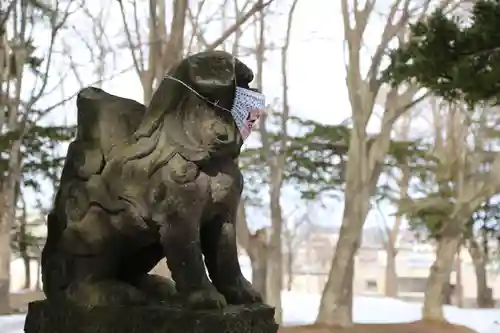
<point>334,307</point>
<point>7,218</point>
<point>440,272</point>
<point>27,273</point>
<point>483,293</point>
<point>8,184</point>
<point>11,83</point>
<point>344,308</point>
<point>258,257</point>
<point>24,248</point>
<point>459,290</point>
<point>391,277</point>
<point>175,46</point>
<point>274,270</point>
<point>5,255</point>
<point>275,259</point>
<point>256,248</point>
<point>163,52</point>
<point>259,275</point>
<point>38,283</point>
<point>289,266</point>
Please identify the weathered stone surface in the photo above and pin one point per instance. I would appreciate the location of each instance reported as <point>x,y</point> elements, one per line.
<point>51,317</point>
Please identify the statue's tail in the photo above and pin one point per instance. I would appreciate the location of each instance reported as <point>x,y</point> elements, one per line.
<point>105,121</point>
<point>67,206</point>
<point>52,266</point>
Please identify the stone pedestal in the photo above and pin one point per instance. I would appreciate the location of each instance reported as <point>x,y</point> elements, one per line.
<point>45,317</point>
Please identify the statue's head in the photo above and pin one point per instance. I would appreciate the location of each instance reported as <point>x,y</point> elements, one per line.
<point>205,105</point>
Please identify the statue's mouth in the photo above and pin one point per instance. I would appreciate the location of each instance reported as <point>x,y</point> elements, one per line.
<point>226,147</point>
<point>223,148</point>
<point>223,140</point>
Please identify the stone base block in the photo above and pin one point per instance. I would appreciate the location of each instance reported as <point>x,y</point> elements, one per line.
<point>46,317</point>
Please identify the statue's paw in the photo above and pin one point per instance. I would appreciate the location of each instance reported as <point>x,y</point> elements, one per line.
<point>241,292</point>
<point>156,287</point>
<point>206,299</point>
<point>105,293</point>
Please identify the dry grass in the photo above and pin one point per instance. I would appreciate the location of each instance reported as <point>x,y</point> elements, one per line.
<point>415,327</point>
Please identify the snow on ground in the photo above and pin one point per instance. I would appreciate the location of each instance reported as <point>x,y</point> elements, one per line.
<point>12,324</point>
<point>302,309</point>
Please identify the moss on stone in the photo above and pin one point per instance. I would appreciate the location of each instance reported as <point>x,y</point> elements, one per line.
<point>51,317</point>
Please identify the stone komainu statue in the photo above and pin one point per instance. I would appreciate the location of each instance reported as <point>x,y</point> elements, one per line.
<point>143,183</point>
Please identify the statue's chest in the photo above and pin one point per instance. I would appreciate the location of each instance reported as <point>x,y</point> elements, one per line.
<point>185,189</point>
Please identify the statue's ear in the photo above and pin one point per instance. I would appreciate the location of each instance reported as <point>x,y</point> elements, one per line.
<point>165,99</point>
<point>244,75</point>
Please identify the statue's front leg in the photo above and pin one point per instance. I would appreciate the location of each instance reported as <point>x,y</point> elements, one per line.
<point>181,243</point>
<point>218,239</point>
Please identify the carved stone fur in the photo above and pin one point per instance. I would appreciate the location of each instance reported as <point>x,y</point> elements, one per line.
<point>143,183</point>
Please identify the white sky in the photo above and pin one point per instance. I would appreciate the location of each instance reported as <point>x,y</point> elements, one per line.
<point>316,71</point>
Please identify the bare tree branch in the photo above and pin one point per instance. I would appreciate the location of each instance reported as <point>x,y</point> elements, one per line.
<point>286,107</point>
<point>194,19</point>
<point>259,6</point>
<point>138,64</point>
